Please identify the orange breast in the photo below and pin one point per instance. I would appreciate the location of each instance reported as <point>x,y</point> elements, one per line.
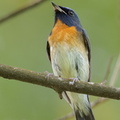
<point>62,33</point>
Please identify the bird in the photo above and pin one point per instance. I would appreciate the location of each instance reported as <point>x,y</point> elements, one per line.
<point>69,52</point>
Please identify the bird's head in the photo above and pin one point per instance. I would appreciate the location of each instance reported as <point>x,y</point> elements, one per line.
<point>67,16</point>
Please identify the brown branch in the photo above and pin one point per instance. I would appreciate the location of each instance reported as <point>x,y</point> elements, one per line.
<point>59,84</point>
<point>21,10</point>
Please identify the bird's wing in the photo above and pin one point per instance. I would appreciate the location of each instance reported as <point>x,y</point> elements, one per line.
<point>48,50</point>
<point>87,44</point>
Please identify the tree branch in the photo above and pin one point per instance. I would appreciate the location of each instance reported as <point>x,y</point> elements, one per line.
<point>58,84</point>
<point>21,10</point>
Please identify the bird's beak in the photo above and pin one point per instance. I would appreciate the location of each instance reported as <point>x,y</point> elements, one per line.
<point>57,8</point>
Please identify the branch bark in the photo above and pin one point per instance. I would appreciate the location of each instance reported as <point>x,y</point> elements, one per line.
<point>21,10</point>
<point>58,84</point>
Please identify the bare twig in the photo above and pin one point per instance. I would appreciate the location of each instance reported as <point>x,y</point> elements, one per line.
<point>115,72</point>
<point>108,70</point>
<point>98,101</point>
<point>21,10</point>
<point>112,81</point>
<point>67,117</point>
<point>93,104</point>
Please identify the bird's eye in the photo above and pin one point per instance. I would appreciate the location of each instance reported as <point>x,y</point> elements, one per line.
<point>71,13</point>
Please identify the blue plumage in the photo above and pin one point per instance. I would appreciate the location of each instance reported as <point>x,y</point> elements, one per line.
<point>70,18</point>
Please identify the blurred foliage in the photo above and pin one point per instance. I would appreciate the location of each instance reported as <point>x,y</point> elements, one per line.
<point>23,44</point>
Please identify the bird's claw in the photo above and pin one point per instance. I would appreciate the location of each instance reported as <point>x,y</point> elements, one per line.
<point>73,81</point>
<point>48,75</point>
<point>104,82</point>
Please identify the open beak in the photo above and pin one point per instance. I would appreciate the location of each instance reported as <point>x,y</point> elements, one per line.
<point>57,8</point>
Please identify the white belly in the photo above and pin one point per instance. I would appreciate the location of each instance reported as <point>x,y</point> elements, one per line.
<point>69,62</point>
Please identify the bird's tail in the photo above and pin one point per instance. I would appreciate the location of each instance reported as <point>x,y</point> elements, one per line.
<point>83,113</point>
<point>82,116</point>
<point>80,104</point>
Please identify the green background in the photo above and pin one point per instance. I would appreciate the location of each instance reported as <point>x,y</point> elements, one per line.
<point>23,44</point>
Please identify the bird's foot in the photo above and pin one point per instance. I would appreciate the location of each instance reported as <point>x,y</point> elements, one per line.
<point>73,81</point>
<point>104,82</point>
<point>48,75</point>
